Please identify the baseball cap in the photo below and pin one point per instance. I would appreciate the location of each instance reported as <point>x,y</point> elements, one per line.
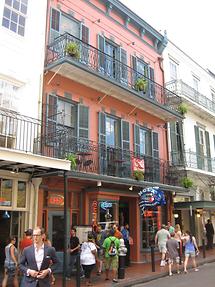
<point>29,232</point>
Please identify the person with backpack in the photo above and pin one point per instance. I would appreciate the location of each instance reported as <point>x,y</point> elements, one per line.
<point>111,245</point>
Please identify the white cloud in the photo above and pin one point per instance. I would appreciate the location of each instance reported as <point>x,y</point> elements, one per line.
<point>189,24</point>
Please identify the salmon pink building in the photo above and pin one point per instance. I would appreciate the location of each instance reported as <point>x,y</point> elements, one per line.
<point>105,109</point>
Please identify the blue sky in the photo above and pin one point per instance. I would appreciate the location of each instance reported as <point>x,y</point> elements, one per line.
<point>189,23</point>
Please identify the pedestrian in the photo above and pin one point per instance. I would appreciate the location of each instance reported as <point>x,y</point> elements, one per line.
<point>178,235</point>
<point>209,234</point>
<point>100,237</point>
<point>111,246</point>
<point>117,232</point>
<point>172,250</point>
<point>11,263</point>
<point>161,238</point>
<point>126,235</point>
<point>25,242</point>
<point>74,252</point>
<point>170,228</point>
<point>38,261</point>
<point>48,242</point>
<point>190,250</point>
<point>88,257</point>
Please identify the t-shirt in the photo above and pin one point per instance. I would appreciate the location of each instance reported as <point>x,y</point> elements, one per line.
<point>107,243</point>
<point>163,235</point>
<point>172,248</point>
<point>74,242</point>
<point>87,257</point>
<point>25,242</point>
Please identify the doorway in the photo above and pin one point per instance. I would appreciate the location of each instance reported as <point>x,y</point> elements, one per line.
<point>123,213</point>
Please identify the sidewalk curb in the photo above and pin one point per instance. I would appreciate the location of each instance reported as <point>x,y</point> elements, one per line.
<point>149,278</point>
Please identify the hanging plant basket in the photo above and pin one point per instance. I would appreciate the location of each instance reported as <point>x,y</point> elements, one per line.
<point>141,84</point>
<point>187,182</point>
<point>73,49</point>
<point>73,160</point>
<point>138,174</point>
<point>182,108</point>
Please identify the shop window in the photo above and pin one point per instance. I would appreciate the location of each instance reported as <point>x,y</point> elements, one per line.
<point>21,194</point>
<point>6,192</point>
<point>149,227</point>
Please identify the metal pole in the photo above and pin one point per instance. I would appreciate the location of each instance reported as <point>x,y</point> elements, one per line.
<point>65,230</point>
<point>121,269</point>
<point>203,248</point>
<point>78,271</point>
<point>153,258</point>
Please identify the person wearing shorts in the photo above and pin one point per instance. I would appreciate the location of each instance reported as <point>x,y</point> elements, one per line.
<point>190,250</point>
<point>111,261</point>
<point>172,250</point>
<point>161,238</point>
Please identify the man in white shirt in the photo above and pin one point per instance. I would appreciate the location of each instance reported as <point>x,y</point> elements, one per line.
<point>38,261</point>
<point>161,238</point>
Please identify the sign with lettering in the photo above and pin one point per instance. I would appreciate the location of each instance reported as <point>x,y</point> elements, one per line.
<point>105,205</point>
<point>150,197</point>
<point>138,164</point>
<point>94,211</point>
<point>55,200</point>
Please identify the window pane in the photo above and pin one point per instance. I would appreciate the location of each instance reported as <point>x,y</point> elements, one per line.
<point>8,2</point>
<point>16,5</point>
<point>70,26</point>
<point>13,26</point>
<point>7,13</point>
<point>6,192</point>
<point>21,196</point>
<point>21,30</point>
<point>5,22</point>
<point>23,9</point>
<point>14,17</point>
<point>24,2</point>
<point>21,21</point>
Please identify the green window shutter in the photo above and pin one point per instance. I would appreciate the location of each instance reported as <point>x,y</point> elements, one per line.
<point>198,149</point>
<point>208,150</point>
<point>83,122</point>
<point>137,140</point>
<point>123,68</point>
<point>51,118</point>
<point>134,71</point>
<point>151,84</point>
<point>54,25</point>
<point>84,46</point>
<point>101,55</point>
<point>84,33</point>
<point>102,128</point>
<point>125,135</point>
<point>155,146</point>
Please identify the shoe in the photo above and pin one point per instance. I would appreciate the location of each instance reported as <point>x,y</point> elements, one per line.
<point>196,269</point>
<point>115,280</point>
<point>82,276</point>
<point>185,271</point>
<point>98,273</point>
<point>178,272</point>
<point>170,274</point>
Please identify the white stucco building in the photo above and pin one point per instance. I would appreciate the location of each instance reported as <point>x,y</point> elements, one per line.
<point>192,141</point>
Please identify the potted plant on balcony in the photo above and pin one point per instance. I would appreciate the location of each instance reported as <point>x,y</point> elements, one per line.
<point>182,108</point>
<point>73,160</point>
<point>187,182</point>
<point>73,49</point>
<point>138,174</point>
<point>141,84</point>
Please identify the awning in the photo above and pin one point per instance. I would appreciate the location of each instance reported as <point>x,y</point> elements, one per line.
<point>195,205</point>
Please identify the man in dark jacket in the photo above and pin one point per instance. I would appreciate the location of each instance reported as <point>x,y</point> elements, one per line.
<point>209,234</point>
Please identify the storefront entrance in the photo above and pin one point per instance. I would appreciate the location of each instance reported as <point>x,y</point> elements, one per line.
<point>10,224</point>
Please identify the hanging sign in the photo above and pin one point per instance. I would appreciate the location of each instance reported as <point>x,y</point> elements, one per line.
<point>138,164</point>
<point>106,205</point>
<point>55,200</point>
<point>150,197</point>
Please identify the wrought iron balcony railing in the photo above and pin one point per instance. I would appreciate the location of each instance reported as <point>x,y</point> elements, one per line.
<point>181,88</point>
<point>97,61</point>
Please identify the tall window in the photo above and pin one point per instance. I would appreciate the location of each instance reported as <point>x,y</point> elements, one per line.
<point>173,68</point>
<point>195,83</point>
<point>112,131</point>
<point>14,15</point>
<point>8,95</point>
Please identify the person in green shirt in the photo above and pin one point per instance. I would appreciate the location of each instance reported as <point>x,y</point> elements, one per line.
<point>111,245</point>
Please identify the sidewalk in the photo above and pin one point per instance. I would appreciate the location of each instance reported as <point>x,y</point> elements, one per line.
<point>137,273</point>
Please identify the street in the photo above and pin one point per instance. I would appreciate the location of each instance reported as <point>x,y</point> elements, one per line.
<point>205,277</point>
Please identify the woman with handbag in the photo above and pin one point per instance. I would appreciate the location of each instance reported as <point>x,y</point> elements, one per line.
<point>11,263</point>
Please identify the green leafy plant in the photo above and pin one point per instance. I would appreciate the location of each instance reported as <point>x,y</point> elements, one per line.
<point>72,158</point>
<point>182,108</point>
<point>141,84</point>
<point>138,175</point>
<point>187,182</point>
<point>73,49</point>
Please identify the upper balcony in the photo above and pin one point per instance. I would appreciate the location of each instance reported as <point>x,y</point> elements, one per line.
<point>195,100</point>
<point>96,69</point>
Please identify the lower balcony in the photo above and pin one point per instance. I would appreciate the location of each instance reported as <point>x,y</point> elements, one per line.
<point>90,157</point>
